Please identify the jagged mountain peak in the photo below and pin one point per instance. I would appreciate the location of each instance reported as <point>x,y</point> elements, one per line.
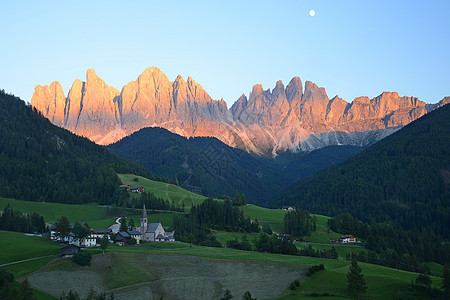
<point>264,123</point>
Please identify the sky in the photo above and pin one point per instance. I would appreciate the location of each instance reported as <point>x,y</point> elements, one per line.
<point>351,48</point>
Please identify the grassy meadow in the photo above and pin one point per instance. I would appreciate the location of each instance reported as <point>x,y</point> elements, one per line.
<point>53,211</point>
<point>382,282</point>
<point>124,268</point>
<point>164,190</point>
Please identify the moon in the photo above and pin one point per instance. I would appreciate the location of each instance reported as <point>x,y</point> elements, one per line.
<point>312,13</point>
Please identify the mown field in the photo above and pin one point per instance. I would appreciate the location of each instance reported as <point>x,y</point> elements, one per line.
<point>168,276</point>
<point>133,272</point>
<point>382,282</point>
<point>275,217</point>
<point>94,215</point>
<point>164,190</point>
<point>53,211</point>
<point>148,270</point>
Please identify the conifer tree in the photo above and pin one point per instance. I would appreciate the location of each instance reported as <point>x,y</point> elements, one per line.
<point>356,283</point>
<point>104,242</point>
<point>80,232</point>
<point>123,224</point>
<point>62,227</point>
<point>446,281</point>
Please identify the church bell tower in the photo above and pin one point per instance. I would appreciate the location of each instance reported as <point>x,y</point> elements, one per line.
<point>144,220</point>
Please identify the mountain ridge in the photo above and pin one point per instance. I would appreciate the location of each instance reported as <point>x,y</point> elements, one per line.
<point>208,166</point>
<point>266,123</point>
<point>402,178</point>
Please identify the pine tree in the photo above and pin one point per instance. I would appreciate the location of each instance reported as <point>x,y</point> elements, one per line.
<point>227,295</point>
<point>123,224</point>
<point>104,242</point>
<point>356,283</point>
<point>446,281</point>
<point>131,224</point>
<point>62,227</point>
<point>26,290</point>
<point>248,296</point>
<point>80,232</point>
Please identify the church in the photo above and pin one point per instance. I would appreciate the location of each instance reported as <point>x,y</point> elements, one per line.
<point>154,232</point>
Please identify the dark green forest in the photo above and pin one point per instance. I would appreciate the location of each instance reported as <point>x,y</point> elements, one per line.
<point>207,166</point>
<point>389,245</point>
<point>42,162</point>
<point>212,214</point>
<point>404,178</point>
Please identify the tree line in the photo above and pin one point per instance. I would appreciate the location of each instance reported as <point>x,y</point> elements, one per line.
<point>299,223</point>
<point>402,178</point>
<point>212,214</point>
<point>122,198</point>
<point>392,246</point>
<point>14,220</point>
<point>42,162</point>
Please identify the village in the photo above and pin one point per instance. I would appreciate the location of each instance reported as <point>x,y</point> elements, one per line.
<point>145,233</point>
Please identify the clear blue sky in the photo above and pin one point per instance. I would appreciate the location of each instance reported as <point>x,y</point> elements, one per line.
<point>352,48</point>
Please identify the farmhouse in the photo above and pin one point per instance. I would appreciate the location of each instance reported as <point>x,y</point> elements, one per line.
<point>136,189</point>
<point>154,232</point>
<point>70,250</point>
<point>124,237</point>
<point>348,238</point>
<point>288,208</point>
<point>89,241</point>
<point>100,233</point>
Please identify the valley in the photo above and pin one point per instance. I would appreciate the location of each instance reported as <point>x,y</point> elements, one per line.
<point>209,231</point>
<point>177,270</point>
<point>222,150</point>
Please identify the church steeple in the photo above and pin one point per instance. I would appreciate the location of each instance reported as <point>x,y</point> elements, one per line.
<point>144,220</point>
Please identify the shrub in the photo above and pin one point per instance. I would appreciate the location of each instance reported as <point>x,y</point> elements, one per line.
<point>132,241</point>
<point>82,258</point>
<point>314,269</point>
<point>297,282</point>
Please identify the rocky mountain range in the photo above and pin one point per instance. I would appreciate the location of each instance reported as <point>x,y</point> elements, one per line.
<point>266,123</point>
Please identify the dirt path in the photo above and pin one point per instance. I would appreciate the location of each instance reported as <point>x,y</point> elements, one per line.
<point>19,261</point>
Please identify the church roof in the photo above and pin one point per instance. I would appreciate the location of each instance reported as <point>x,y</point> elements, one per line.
<point>134,232</point>
<point>152,227</point>
<point>144,213</point>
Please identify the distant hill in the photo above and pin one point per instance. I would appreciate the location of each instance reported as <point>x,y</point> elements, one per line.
<point>210,167</point>
<point>42,162</point>
<point>404,177</point>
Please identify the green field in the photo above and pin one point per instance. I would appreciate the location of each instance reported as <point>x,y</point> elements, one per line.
<point>275,217</point>
<point>53,211</point>
<point>18,246</point>
<point>342,249</point>
<point>223,236</point>
<point>382,282</point>
<point>91,214</point>
<point>164,190</point>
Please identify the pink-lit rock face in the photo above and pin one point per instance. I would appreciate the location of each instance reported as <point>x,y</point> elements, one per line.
<point>51,102</point>
<point>267,122</point>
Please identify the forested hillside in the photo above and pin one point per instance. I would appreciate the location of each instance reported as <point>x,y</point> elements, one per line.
<point>42,162</point>
<point>209,167</point>
<point>404,177</point>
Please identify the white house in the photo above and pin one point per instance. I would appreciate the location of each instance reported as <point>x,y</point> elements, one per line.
<point>348,238</point>
<point>288,208</point>
<point>89,241</point>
